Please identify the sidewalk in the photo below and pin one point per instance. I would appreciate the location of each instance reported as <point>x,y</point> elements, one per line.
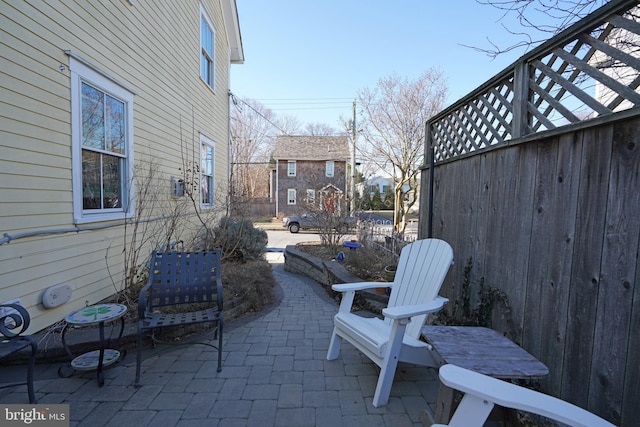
<point>274,374</point>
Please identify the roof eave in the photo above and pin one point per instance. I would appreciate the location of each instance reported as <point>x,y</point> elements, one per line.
<point>232,26</point>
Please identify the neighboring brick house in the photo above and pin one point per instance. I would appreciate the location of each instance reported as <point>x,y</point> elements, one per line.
<point>310,173</point>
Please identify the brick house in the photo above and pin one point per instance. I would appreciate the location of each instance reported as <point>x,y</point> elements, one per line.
<point>310,173</point>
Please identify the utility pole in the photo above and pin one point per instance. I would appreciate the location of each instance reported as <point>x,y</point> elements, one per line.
<point>353,161</point>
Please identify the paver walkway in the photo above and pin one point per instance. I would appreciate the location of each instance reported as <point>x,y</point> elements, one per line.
<point>274,374</point>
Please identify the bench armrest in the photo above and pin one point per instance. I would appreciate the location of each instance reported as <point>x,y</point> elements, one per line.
<point>480,387</point>
<point>143,301</point>
<point>406,311</point>
<point>15,321</point>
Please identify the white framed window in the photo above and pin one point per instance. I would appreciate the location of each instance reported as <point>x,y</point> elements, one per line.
<point>291,196</point>
<point>291,168</point>
<point>329,167</point>
<point>311,196</point>
<point>207,49</point>
<point>102,145</point>
<point>207,183</point>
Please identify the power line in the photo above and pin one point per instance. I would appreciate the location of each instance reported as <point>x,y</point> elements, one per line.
<point>235,100</point>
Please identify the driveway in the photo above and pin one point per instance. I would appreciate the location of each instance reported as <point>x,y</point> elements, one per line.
<point>279,239</point>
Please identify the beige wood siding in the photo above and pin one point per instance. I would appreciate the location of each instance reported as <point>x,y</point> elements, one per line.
<point>153,48</point>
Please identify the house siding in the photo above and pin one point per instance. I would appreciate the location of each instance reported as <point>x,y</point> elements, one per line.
<point>309,175</point>
<point>151,48</point>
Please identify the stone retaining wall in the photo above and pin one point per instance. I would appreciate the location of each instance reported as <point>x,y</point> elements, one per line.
<point>327,273</point>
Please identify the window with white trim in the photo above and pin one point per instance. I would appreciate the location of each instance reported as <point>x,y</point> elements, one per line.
<point>206,172</point>
<point>102,145</point>
<point>207,49</point>
<point>311,196</point>
<point>291,168</point>
<point>291,196</point>
<point>329,168</point>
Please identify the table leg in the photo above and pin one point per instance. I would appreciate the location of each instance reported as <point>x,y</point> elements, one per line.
<point>101,356</point>
<point>445,405</point>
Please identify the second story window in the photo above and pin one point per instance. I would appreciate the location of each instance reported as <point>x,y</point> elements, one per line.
<point>291,168</point>
<point>329,168</point>
<point>207,49</point>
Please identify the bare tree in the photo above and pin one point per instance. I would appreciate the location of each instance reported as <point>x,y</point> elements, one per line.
<point>319,129</point>
<point>393,117</point>
<point>288,125</point>
<point>252,137</point>
<point>537,20</point>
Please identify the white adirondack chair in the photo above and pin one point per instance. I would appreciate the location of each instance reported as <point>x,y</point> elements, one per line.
<point>422,268</point>
<point>483,392</point>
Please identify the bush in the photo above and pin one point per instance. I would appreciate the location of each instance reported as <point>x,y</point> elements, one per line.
<point>238,240</point>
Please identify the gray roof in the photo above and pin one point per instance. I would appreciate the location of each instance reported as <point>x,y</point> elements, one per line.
<point>306,147</point>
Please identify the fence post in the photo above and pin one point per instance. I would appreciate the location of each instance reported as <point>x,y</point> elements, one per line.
<point>520,124</point>
<point>431,161</point>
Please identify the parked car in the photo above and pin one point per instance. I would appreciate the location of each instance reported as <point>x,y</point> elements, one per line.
<point>310,221</point>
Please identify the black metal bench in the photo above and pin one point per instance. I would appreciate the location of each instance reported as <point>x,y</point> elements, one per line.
<point>13,324</point>
<point>181,279</point>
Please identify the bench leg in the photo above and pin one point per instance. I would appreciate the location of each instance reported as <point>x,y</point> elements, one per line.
<point>30,368</point>
<point>219,333</point>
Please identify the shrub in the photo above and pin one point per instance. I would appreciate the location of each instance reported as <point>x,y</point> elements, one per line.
<point>238,240</point>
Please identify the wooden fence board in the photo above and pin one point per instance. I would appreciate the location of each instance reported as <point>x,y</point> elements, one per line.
<point>631,392</point>
<point>585,275</point>
<point>586,240</point>
<point>619,258</point>
<point>553,227</point>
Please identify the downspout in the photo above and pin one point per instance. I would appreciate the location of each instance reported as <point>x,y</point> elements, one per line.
<point>229,147</point>
<point>430,152</point>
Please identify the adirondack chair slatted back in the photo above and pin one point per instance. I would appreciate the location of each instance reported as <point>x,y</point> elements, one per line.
<point>185,278</point>
<point>421,270</point>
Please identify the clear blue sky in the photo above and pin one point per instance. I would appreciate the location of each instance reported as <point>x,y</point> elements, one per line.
<point>301,53</point>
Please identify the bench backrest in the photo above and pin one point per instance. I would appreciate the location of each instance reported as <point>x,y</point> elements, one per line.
<point>422,268</point>
<point>184,278</point>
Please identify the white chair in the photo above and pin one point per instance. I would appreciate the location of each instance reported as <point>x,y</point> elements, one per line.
<point>483,392</point>
<point>422,268</point>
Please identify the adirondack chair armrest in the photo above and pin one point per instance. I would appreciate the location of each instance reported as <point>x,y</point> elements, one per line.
<point>359,286</point>
<point>406,311</point>
<point>480,387</point>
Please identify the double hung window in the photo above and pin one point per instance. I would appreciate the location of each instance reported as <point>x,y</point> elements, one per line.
<point>207,49</point>
<point>206,172</point>
<point>329,168</point>
<point>291,196</point>
<point>311,196</point>
<point>102,145</point>
<point>291,168</point>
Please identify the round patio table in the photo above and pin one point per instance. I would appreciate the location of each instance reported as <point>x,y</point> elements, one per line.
<point>90,316</point>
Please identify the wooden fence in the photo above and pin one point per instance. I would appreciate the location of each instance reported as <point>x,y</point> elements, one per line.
<point>548,213</point>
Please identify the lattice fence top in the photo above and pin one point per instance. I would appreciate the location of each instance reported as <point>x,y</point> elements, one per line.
<point>591,69</point>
